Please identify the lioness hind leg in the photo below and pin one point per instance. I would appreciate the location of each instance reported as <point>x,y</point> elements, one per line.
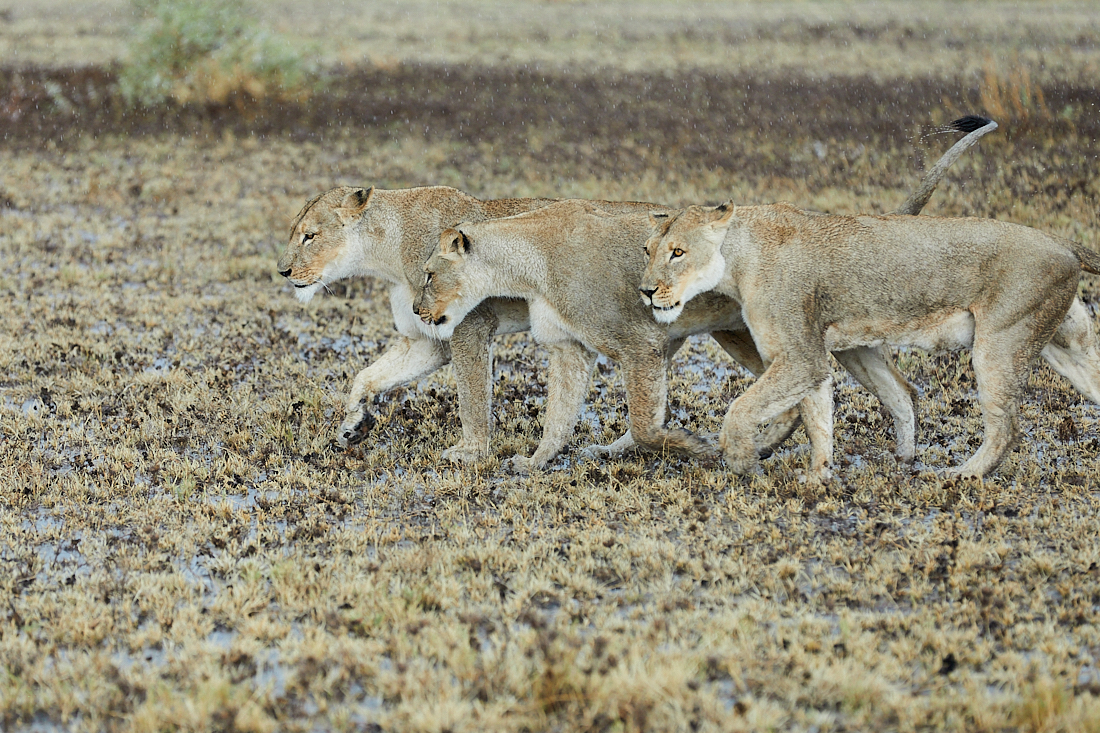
<point>741,348</point>
<point>998,389</point>
<point>1002,353</point>
<point>1001,360</point>
<point>1073,351</point>
<point>567,384</point>
<point>875,370</point>
<point>404,360</point>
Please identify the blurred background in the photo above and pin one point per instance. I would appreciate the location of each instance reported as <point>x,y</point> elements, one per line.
<point>674,101</point>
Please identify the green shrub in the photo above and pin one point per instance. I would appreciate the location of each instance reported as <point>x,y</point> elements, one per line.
<point>209,52</point>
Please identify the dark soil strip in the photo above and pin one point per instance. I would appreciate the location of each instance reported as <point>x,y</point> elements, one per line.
<point>686,115</point>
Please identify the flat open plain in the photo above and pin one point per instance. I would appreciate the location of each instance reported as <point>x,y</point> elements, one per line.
<point>182,548</point>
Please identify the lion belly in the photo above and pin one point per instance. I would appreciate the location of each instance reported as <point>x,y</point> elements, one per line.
<point>940,331</point>
<point>513,315</point>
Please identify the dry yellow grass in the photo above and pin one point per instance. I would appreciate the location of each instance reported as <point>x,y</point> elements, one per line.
<point>182,549</point>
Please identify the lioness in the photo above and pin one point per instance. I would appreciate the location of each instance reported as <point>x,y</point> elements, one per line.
<point>811,283</point>
<point>350,231</point>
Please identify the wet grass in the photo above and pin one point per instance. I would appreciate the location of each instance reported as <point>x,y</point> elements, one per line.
<point>182,549</point>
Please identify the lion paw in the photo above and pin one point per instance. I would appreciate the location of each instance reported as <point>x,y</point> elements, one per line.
<point>744,466</point>
<point>519,465</point>
<point>595,452</point>
<point>905,457</point>
<point>612,450</point>
<point>357,424</point>
<point>462,453</point>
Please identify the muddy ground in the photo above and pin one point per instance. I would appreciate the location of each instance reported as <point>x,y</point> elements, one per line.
<point>182,548</point>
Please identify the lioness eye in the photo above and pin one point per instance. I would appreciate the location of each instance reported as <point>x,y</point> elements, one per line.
<point>677,252</point>
<point>428,280</point>
<point>308,237</point>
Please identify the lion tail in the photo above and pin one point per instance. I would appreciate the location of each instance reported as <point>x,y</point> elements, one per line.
<point>975,127</point>
<point>1089,259</point>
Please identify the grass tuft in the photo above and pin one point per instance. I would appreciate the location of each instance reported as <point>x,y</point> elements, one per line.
<point>209,53</point>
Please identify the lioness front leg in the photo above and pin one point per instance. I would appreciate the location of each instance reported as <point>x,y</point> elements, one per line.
<point>567,384</point>
<point>740,346</point>
<point>782,386</point>
<point>404,360</point>
<point>471,359</point>
<point>646,397</point>
<point>626,442</point>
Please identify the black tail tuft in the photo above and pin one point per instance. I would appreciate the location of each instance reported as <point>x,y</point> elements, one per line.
<point>970,123</point>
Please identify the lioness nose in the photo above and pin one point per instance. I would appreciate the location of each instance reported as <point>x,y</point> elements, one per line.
<point>648,292</point>
<point>285,273</point>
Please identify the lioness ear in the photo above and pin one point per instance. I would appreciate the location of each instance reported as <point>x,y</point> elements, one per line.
<point>354,203</point>
<point>657,218</point>
<point>722,213</point>
<point>452,241</point>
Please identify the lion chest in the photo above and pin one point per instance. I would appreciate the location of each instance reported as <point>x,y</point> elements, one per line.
<point>547,325</point>
<point>406,321</point>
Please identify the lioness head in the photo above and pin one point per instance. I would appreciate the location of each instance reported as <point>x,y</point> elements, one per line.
<point>317,252</point>
<point>685,257</point>
<point>440,300</point>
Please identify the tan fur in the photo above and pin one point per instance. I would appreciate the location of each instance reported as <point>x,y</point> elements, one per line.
<point>580,276</point>
<point>351,231</point>
<point>388,234</point>
<point>810,283</point>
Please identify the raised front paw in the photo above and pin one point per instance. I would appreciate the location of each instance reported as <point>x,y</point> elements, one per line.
<point>357,424</point>
<point>461,452</point>
<point>739,451</point>
<point>519,465</point>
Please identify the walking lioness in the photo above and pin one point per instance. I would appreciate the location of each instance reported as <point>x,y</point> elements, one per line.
<point>811,283</point>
